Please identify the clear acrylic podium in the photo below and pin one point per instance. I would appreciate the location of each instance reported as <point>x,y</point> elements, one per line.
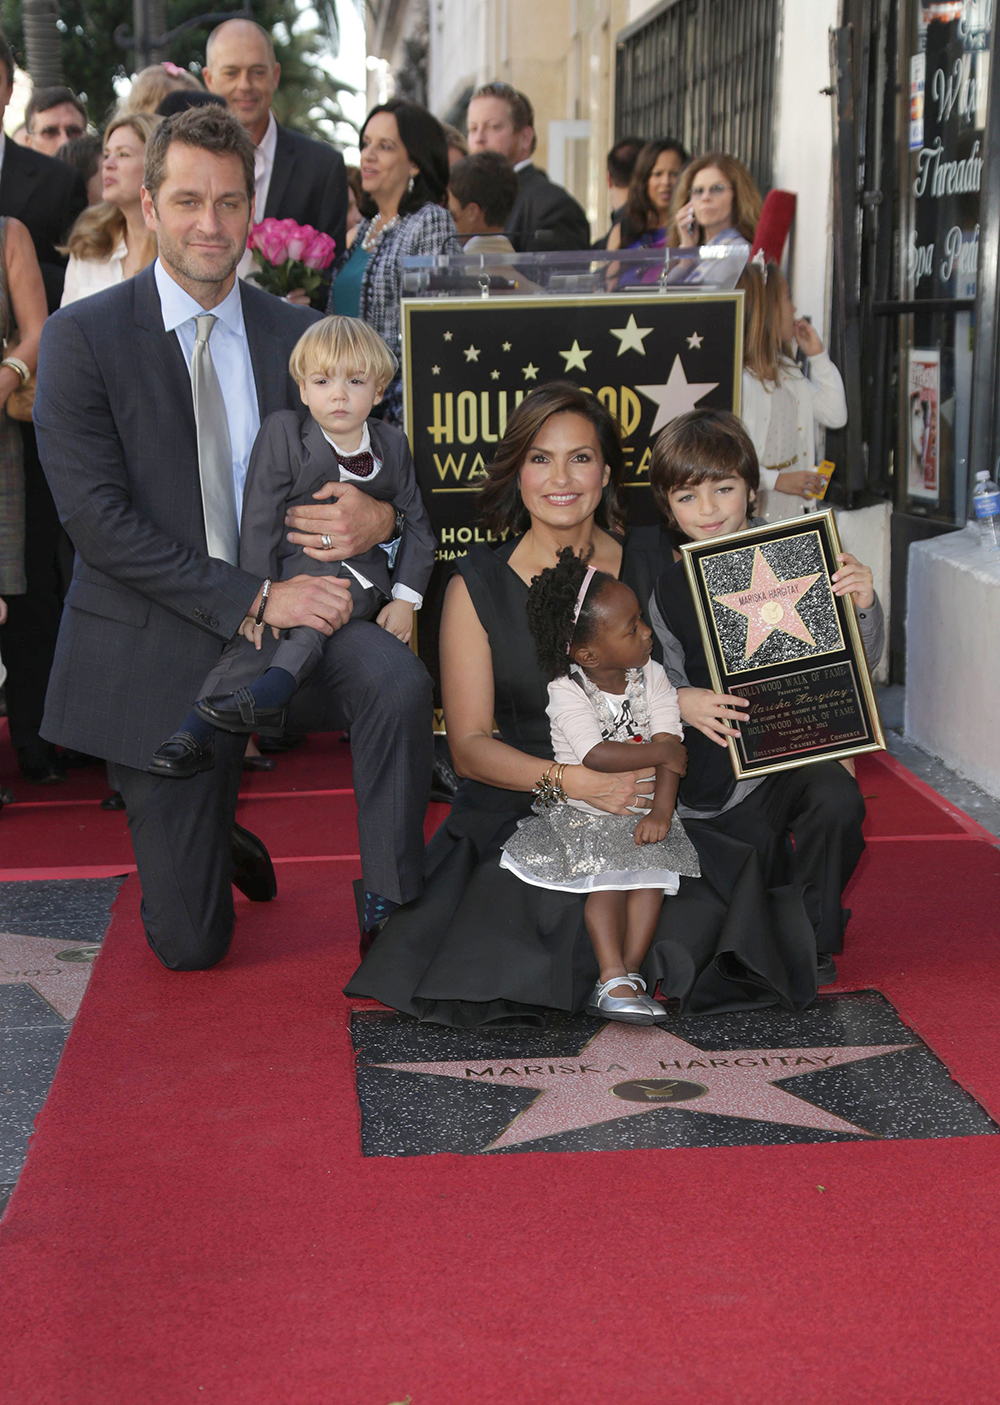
<point>712,267</point>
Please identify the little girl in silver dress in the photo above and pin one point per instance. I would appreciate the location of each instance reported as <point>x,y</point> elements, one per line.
<point>612,709</point>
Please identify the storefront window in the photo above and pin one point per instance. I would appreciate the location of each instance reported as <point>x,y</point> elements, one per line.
<point>947,49</point>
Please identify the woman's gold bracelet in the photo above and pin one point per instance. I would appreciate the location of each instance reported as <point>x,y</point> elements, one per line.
<point>16,364</point>
<point>549,791</point>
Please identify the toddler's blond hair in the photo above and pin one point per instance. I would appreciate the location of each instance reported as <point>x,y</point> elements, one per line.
<point>344,344</point>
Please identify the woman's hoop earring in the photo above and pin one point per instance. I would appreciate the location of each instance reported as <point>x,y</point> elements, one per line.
<point>409,188</point>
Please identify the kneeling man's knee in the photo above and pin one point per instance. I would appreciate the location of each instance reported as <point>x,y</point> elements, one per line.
<point>405,689</point>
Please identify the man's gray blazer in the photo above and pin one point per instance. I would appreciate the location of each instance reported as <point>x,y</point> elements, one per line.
<point>148,609</point>
<point>291,460</point>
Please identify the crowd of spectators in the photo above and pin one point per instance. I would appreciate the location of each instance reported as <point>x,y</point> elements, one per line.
<point>72,222</point>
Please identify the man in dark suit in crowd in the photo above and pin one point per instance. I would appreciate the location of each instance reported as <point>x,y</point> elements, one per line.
<point>545,217</point>
<point>46,195</point>
<point>149,399</point>
<point>53,117</point>
<point>296,178</point>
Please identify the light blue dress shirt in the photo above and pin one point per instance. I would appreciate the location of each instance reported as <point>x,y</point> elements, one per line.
<point>231,358</point>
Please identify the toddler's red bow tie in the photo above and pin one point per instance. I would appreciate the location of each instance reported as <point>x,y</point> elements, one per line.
<point>361,465</point>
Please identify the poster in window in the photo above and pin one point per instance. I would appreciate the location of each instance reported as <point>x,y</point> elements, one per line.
<point>923,424</point>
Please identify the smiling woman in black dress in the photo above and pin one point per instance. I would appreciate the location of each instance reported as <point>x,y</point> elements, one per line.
<point>480,946</point>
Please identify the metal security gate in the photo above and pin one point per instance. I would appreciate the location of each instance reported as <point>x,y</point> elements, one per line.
<point>703,71</point>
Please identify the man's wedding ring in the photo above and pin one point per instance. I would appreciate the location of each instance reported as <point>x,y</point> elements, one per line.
<point>326,542</point>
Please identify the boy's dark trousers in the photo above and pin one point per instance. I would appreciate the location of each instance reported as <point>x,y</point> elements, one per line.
<point>822,807</point>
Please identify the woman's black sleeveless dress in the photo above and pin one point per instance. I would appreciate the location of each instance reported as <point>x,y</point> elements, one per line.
<point>482,947</point>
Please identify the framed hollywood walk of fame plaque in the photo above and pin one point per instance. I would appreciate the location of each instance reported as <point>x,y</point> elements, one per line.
<point>776,634</point>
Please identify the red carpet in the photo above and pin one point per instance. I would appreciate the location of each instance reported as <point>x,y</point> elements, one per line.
<point>195,1221</point>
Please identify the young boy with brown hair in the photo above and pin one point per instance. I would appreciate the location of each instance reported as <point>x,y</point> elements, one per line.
<point>704,476</point>
<point>342,368</point>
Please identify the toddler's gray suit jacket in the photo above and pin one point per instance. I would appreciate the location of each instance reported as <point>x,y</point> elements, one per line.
<point>291,461</point>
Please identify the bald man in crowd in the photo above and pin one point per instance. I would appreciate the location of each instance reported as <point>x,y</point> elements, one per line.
<point>297,178</point>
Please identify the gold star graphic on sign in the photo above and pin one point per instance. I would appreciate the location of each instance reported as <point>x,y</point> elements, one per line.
<point>494,375</point>
<point>435,370</point>
<point>769,604</point>
<point>695,340</point>
<point>506,346</point>
<point>447,336</point>
<point>530,372</point>
<point>472,353</point>
<point>575,358</point>
<point>676,396</point>
<point>630,336</point>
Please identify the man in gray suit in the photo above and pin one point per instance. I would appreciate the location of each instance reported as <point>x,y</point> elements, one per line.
<point>146,394</point>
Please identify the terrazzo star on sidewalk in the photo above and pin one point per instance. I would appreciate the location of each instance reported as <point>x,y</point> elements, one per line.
<point>134,439</point>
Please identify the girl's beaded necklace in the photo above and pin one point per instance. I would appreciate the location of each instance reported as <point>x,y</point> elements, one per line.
<point>635,692</point>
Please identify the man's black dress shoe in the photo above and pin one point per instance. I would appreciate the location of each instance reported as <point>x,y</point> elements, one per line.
<point>826,969</point>
<point>259,763</point>
<point>253,872</point>
<point>77,760</point>
<point>114,801</point>
<point>274,746</point>
<point>238,712</point>
<point>368,936</point>
<point>41,764</point>
<point>181,757</point>
<point>444,781</point>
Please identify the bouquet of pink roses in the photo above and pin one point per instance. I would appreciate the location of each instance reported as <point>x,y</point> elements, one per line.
<point>289,255</point>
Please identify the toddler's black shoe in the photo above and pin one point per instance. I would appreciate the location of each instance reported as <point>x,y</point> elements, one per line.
<point>238,712</point>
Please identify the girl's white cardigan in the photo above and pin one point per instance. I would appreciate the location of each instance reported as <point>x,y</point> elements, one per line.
<point>820,400</point>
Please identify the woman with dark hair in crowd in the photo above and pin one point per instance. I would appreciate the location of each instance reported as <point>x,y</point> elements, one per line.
<point>650,192</point>
<point>404,176</point>
<point>480,946</point>
<point>716,202</point>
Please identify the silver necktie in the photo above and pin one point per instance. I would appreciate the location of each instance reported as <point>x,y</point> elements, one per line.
<point>215,455</point>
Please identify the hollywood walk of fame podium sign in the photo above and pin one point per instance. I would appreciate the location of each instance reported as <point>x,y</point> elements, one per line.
<point>469,362</point>
<point>776,634</point>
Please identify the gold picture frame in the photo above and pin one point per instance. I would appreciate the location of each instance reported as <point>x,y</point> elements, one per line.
<point>780,637</point>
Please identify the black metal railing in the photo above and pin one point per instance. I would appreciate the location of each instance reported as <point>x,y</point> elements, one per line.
<point>703,71</point>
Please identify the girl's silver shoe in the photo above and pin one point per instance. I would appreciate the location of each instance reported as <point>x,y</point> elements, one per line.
<point>632,1009</point>
<point>656,1009</point>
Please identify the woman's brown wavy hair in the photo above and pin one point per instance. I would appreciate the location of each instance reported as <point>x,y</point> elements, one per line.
<point>99,227</point>
<point>747,200</point>
<point>500,505</point>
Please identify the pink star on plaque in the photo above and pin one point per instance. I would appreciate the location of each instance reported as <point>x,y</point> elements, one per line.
<point>769,604</point>
<point>626,1070</point>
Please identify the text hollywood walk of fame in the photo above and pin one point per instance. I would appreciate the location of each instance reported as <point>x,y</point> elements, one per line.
<point>472,364</point>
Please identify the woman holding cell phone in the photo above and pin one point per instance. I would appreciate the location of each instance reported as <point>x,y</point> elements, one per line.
<point>715,202</point>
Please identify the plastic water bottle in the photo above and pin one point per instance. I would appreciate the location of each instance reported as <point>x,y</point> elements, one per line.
<point>986,509</point>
